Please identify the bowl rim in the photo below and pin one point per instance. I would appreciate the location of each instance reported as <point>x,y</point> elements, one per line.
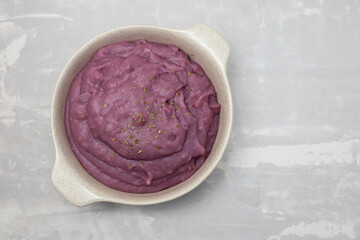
<point>88,195</point>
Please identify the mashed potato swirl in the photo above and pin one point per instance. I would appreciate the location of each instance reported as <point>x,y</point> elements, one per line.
<point>141,116</point>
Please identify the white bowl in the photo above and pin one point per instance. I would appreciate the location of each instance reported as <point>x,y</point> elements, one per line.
<point>202,44</point>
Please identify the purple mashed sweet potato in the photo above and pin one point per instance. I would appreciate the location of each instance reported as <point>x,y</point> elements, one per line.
<point>141,117</point>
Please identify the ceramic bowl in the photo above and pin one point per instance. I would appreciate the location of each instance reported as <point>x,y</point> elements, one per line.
<point>202,44</point>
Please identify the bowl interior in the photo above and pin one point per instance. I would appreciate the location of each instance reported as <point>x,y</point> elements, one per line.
<point>83,183</point>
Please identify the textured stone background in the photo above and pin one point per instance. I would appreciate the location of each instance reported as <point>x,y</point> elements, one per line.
<point>292,168</point>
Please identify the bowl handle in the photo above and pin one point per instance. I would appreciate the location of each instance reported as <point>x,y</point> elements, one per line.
<point>65,181</point>
<point>212,40</point>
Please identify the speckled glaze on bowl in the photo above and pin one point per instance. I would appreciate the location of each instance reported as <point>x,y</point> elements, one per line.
<point>202,44</point>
